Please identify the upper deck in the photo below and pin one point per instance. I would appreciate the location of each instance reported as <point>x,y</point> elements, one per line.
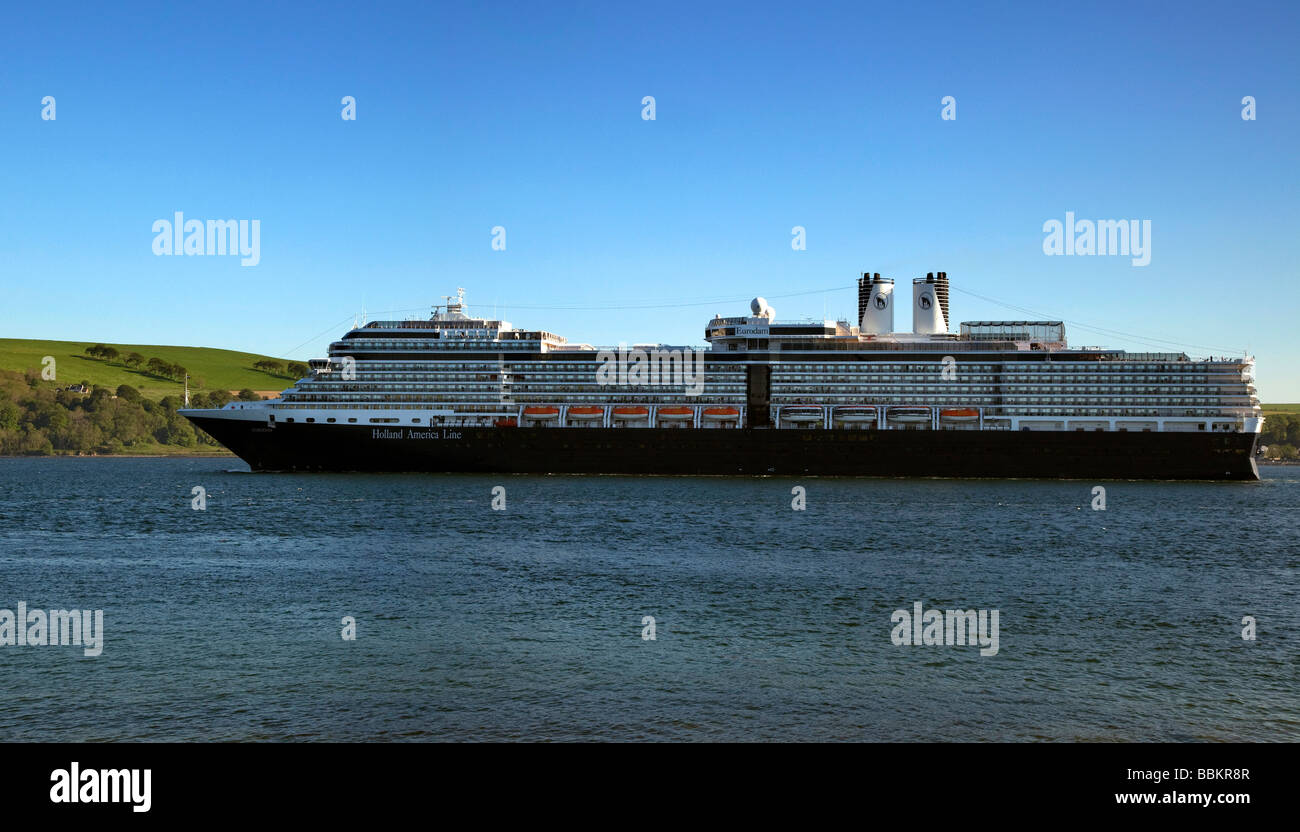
<point>1018,374</point>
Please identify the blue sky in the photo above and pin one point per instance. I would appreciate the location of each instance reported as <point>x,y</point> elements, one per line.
<point>768,116</point>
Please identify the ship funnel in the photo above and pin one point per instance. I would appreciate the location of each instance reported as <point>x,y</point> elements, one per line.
<point>930,304</point>
<point>876,305</point>
<point>864,294</point>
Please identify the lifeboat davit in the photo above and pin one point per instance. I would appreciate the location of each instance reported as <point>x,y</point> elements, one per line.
<point>855,413</point>
<point>631,414</point>
<point>542,414</point>
<point>722,414</point>
<point>675,414</point>
<point>802,413</point>
<point>586,414</point>
<point>959,414</point>
<point>908,414</point>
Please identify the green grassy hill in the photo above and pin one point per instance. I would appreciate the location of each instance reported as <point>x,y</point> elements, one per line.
<point>217,369</point>
<point>1280,408</point>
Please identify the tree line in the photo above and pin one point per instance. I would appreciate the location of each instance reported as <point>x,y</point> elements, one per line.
<point>135,361</point>
<point>39,418</point>
<point>165,369</point>
<point>1281,436</point>
<point>291,369</point>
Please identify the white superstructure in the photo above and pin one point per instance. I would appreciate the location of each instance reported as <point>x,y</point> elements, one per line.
<point>456,369</point>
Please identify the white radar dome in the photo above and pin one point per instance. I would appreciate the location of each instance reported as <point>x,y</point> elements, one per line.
<point>760,308</point>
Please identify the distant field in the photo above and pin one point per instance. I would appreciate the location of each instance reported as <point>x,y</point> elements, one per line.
<point>1280,408</point>
<point>218,369</point>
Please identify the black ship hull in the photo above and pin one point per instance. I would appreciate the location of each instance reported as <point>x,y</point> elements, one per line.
<point>887,453</point>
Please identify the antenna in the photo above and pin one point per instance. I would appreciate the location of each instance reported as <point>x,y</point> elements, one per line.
<point>455,303</point>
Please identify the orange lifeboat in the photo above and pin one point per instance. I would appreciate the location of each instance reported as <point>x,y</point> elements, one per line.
<point>675,414</point>
<point>632,413</point>
<point>542,413</point>
<point>959,414</point>
<point>584,413</point>
<point>722,414</point>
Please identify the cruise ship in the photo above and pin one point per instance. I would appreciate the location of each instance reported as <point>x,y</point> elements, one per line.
<point>460,393</point>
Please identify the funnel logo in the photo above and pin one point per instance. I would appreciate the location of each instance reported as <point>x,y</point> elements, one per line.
<point>881,303</point>
<point>924,301</point>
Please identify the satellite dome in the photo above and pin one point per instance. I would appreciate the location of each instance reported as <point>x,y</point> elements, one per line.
<point>760,308</point>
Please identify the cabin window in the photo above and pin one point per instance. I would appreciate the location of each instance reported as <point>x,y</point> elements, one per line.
<point>290,419</point>
<point>310,419</point>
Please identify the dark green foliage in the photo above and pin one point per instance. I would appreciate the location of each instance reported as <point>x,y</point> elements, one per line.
<point>1281,435</point>
<point>216,398</point>
<point>102,352</point>
<point>41,419</point>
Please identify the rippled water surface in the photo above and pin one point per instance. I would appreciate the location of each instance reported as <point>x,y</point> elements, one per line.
<point>1123,624</point>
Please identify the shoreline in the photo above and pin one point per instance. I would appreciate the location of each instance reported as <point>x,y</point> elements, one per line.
<point>211,455</point>
<point>224,454</point>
